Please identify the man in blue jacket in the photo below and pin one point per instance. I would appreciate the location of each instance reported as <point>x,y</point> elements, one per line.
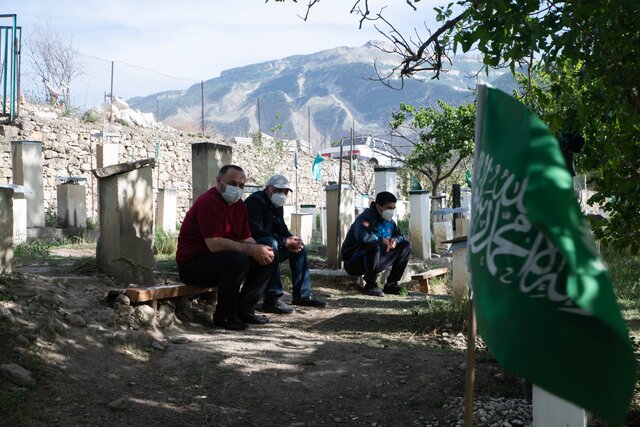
<point>374,242</point>
<point>266,222</point>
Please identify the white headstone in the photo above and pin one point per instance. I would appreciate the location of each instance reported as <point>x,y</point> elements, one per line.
<point>550,410</point>
<point>419,227</point>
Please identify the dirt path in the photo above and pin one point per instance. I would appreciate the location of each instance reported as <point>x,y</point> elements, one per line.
<point>361,361</point>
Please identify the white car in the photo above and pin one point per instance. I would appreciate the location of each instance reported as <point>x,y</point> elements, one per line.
<point>375,151</point>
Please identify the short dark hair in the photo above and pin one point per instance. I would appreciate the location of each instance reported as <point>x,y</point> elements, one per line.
<point>225,168</point>
<point>385,197</point>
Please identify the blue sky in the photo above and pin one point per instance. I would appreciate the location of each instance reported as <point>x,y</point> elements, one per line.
<point>199,39</point>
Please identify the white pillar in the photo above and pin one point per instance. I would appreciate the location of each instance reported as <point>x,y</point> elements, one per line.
<point>341,223</point>
<point>27,162</point>
<point>6,230</point>
<point>550,410</point>
<point>419,217</point>
<point>167,215</point>
<point>386,180</point>
<point>206,161</point>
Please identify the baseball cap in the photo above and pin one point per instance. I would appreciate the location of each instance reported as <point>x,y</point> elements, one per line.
<point>279,181</point>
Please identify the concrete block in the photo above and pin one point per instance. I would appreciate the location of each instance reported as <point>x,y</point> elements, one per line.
<point>338,225</point>
<point>206,161</point>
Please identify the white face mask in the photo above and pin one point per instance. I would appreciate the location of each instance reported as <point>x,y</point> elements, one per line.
<point>232,194</point>
<point>387,214</point>
<point>278,199</point>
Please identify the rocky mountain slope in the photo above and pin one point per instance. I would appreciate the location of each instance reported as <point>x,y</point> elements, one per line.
<point>331,89</point>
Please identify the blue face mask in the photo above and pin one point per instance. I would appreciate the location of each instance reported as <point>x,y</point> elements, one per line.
<point>232,194</point>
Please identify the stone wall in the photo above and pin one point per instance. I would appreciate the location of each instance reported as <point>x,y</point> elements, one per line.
<point>69,147</point>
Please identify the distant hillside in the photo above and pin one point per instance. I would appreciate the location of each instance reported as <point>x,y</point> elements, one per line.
<point>332,85</point>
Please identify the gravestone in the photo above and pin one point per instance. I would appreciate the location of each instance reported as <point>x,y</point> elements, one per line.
<point>442,228</point>
<point>72,204</point>
<point>206,161</point>
<point>338,225</point>
<point>310,209</point>
<point>301,226</point>
<point>27,165</point>
<point>419,223</point>
<point>550,410</point>
<point>6,230</point>
<point>19,212</point>
<point>167,216</point>
<point>107,155</point>
<point>125,246</point>
<point>386,180</point>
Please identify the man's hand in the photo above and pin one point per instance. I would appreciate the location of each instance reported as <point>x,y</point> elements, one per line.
<point>387,244</point>
<point>393,243</point>
<point>263,254</point>
<point>294,244</point>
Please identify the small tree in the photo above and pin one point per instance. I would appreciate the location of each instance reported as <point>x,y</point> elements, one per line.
<point>54,60</point>
<point>442,138</point>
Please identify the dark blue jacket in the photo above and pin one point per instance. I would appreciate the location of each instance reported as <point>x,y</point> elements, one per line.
<point>265,220</point>
<point>369,226</point>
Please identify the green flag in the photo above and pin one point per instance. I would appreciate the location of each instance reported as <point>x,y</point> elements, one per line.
<point>544,302</point>
<point>316,168</point>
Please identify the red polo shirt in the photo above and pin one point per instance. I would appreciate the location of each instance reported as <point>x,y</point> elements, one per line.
<point>210,216</point>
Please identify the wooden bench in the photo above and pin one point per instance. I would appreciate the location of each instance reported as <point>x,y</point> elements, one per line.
<point>155,293</point>
<point>423,278</point>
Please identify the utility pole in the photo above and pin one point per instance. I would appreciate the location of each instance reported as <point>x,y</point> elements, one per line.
<point>259,126</point>
<point>111,95</point>
<point>202,104</point>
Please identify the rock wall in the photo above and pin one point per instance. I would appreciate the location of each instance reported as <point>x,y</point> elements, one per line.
<point>69,147</point>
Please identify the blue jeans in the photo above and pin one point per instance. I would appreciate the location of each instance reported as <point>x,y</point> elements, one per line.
<point>300,275</point>
<point>369,260</point>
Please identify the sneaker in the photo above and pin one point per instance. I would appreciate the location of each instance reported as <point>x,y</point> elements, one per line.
<point>308,302</point>
<point>229,324</point>
<point>373,290</point>
<point>278,307</point>
<point>392,288</point>
<point>252,319</point>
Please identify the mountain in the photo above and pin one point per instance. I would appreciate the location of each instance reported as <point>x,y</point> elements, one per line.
<point>333,88</point>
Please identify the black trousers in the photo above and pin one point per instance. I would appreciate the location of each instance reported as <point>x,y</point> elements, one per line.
<point>370,259</point>
<point>228,270</point>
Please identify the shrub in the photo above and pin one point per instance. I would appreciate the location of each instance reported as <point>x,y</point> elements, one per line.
<point>164,243</point>
<point>90,116</point>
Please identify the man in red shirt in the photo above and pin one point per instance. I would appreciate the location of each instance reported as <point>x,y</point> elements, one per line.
<point>215,248</point>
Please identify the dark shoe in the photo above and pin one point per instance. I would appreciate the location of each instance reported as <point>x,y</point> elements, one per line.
<point>229,324</point>
<point>278,307</point>
<point>392,288</point>
<point>253,319</point>
<point>308,302</point>
<point>373,290</point>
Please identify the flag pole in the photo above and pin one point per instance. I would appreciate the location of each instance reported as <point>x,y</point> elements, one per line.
<point>471,364</point>
<point>481,95</point>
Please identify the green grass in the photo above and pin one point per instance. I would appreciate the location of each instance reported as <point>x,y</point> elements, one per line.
<point>624,269</point>
<point>164,243</point>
